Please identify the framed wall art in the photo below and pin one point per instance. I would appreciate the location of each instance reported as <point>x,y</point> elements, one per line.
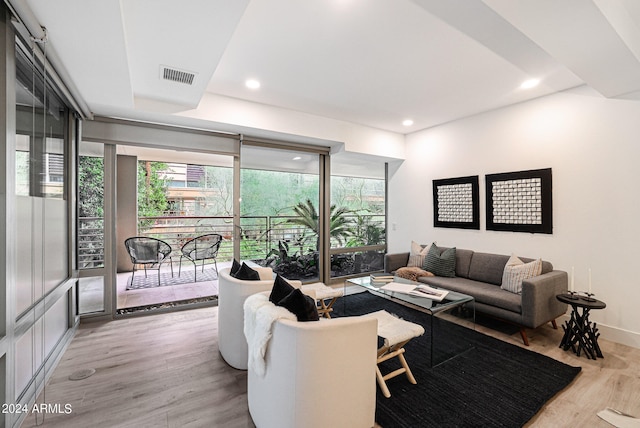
<point>520,201</point>
<point>455,203</point>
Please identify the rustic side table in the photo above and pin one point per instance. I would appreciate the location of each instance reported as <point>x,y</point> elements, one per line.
<point>580,334</point>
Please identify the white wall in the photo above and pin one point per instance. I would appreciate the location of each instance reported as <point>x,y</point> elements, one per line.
<point>592,145</point>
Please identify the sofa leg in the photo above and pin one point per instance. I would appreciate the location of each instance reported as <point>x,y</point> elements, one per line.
<point>523,334</point>
<point>553,323</point>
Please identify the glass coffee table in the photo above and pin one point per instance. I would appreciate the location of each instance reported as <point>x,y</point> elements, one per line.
<point>424,304</point>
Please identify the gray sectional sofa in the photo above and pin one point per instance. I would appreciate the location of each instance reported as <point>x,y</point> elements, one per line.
<point>480,275</point>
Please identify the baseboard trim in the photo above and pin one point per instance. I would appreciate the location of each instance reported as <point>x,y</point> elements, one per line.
<point>615,334</point>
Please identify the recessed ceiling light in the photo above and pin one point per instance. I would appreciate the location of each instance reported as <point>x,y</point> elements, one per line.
<point>407,122</point>
<point>252,84</point>
<point>531,83</point>
<point>297,158</point>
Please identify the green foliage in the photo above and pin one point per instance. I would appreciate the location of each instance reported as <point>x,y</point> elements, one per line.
<point>91,186</point>
<point>292,266</point>
<point>366,232</point>
<point>339,223</point>
<point>274,192</point>
<point>218,185</point>
<point>152,189</point>
<point>363,195</point>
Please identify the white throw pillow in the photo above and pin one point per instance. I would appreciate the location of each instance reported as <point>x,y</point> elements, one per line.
<point>516,271</point>
<point>417,254</point>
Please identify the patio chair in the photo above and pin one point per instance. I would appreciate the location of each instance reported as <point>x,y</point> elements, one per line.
<point>204,247</point>
<point>148,252</point>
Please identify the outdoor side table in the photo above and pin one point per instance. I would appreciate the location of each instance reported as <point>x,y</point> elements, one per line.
<point>580,334</point>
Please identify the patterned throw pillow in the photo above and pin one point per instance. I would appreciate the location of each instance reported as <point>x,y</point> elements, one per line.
<point>516,271</point>
<point>440,264</point>
<point>417,254</point>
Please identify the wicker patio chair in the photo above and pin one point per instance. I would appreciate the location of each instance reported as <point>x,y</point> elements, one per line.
<point>204,247</point>
<point>148,252</point>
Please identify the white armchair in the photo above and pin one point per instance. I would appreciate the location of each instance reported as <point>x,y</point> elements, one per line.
<point>232,293</point>
<point>317,374</point>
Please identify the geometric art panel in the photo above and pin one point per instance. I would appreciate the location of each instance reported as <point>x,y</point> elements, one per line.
<point>456,202</point>
<point>520,201</point>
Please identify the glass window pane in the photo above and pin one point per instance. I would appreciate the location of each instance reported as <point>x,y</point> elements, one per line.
<point>91,206</point>
<point>40,133</point>
<point>358,191</point>
<point>279,210</point>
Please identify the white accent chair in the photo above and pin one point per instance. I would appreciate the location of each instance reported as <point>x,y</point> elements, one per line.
<point>306,386</point>
<point>232,293</point>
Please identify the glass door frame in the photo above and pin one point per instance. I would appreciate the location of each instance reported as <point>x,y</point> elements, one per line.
<point>324,197</point>
<point>108,270</point>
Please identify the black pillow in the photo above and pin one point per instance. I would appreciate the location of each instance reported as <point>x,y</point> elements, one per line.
<point>281,289</point>
<point>235,267</point>
<point>304,307</point>
<point>247,274</point>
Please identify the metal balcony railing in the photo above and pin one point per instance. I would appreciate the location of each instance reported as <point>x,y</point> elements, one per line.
<point>260,235</point>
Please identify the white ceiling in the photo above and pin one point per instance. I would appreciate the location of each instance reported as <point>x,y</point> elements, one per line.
<point>370,62</point>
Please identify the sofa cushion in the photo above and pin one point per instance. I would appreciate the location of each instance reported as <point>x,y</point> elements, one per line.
<point>546,266</point>
<point>482,292</point>
<point>235,267</point>
<point>463,260</point>
<point>517,271</point>
<point>487,267</point>
<point>246,273</point>
<point>303,306</point>
<point>440,263</point>
<point>281,289</point>
<point>417,254</point>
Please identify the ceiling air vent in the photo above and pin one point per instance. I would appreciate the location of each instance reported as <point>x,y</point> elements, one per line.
<point>175,75</point>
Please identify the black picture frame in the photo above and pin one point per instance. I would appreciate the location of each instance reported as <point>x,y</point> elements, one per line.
<point>456,202</point>
<point>520,201</point>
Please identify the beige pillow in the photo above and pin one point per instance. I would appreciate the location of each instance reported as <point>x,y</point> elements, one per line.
<point>516,271</point>
<point>417,254</point>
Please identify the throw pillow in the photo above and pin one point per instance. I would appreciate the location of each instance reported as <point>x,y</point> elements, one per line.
<point>246,273</point>
<point>516,271</point>
<point>412,273</point>
<point>440,264</point>
<point>417,254</point>
<point>304,307</point>
<point>235,267</point>
<point>281,289</point>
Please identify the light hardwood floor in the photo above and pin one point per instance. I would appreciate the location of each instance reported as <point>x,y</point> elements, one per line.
<point>165,371</point>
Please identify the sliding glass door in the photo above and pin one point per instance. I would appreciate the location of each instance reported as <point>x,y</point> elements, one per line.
<point>280,210</point>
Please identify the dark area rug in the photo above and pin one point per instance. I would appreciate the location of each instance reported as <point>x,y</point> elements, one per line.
<point>186,277</point>
<point>491,384</point>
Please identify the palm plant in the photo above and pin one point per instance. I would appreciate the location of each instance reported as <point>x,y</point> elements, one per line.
<point>339,223</point>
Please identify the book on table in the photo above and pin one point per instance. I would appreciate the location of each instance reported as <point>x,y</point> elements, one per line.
<point>381,278</point>
<point>421,290</point>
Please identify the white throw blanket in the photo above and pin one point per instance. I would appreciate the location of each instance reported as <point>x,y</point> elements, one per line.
<point>259,316</point>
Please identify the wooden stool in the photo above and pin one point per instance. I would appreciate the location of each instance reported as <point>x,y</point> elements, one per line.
<point>396,333</point>
<point>325,297</point>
